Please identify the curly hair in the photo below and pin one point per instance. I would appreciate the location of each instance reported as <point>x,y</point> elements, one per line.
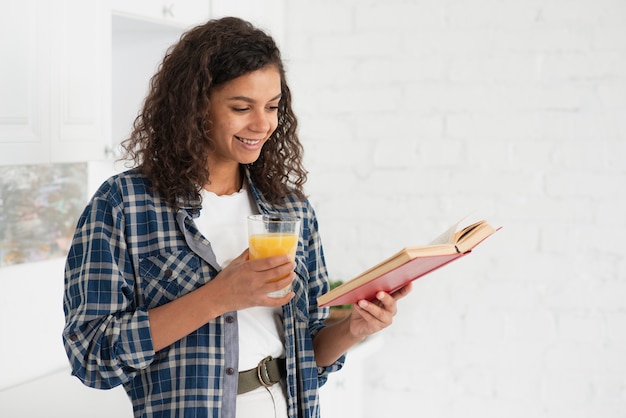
<point>170,141</point>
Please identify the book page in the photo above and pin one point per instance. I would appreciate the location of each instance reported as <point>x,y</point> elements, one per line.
<point>472,236</point>
<point>447,237</point>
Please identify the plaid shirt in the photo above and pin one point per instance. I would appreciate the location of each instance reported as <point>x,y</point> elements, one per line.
<point>132,252</point>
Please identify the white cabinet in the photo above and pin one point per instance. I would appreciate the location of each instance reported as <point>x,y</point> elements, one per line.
<point>24,83</point>
<point>70,87</point>
<point>81,80</point>
<point>54,81</point>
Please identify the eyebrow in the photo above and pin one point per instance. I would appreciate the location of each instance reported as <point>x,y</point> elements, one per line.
<point>250,100</point>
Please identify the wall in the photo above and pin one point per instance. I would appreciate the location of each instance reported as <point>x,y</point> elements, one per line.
<point>414,113</point>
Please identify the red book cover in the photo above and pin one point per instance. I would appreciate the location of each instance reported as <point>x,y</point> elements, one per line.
<point>395,279</point>
<point>409,264</point>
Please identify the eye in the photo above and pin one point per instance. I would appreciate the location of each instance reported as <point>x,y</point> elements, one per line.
<point>240,109</point>
<point>272,108</point>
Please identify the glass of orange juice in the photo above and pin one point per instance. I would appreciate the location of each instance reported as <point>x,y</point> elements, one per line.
<point>270,235</point>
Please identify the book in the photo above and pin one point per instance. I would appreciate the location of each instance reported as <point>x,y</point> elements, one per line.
<point>409,264</point>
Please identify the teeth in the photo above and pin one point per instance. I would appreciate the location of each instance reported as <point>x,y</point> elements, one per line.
<point>248,141</point>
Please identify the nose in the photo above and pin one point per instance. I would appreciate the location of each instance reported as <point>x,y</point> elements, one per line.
<point>262,121</point>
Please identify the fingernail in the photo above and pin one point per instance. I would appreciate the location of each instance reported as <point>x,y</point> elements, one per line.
<point>363,303</point>
<point>380,295</point>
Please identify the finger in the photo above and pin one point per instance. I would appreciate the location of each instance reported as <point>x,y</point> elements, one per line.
<point>268,263</point>
<point>245,255</point>
<point>386,302</point>
<point>373,321</point>
<point>240,259</point>
<point>372,310</point>
<point>277,286</point>
<point>284,280</point>
<point>402,292</point>
<point>278,301</point>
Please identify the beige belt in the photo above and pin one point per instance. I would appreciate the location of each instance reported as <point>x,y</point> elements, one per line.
<point>268,372</point>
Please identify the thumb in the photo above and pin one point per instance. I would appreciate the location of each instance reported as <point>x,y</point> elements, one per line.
<point>243,257</point>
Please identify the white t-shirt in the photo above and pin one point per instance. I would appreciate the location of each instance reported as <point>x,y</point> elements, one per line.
<point>223,221</point>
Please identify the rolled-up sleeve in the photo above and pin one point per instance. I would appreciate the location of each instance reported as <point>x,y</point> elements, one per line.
<point>318,285</point>
<point>107,335</point>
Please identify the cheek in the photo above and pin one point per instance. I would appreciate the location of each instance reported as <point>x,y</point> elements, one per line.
<point>274,124</point>
<point>227,128</point>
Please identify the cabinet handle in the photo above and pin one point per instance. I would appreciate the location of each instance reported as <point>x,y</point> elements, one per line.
<point>167,10</point>
<point>110,153</point>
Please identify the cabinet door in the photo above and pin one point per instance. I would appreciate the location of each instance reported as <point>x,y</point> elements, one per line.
<point>24,92</point>
<point>55,81</point>
<point>80,80</point>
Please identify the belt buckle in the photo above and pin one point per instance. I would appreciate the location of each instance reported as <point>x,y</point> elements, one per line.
<point>263,373</point>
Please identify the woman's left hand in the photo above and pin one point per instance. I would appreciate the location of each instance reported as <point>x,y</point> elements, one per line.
<point>365,319</point>
<point>370,317</point>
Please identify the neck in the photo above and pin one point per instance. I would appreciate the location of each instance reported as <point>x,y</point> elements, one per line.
<point>223,183</point>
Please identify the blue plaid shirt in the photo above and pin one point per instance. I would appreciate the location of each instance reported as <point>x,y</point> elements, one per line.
<point>132,252</point>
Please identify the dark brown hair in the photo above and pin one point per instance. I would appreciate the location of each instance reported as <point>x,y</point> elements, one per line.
<point>170,141</point>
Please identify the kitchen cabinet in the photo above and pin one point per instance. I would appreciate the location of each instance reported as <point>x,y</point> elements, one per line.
<point>75,72</point>
<point>54,81</point>
<point>24,86</point>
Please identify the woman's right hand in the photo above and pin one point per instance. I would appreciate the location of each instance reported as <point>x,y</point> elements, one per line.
<point>242,284</point>
<point>245,283</point>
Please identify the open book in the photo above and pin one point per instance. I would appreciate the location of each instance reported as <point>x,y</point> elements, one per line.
<point>409,264</point>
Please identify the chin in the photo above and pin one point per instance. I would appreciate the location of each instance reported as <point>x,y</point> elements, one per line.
<point>246,161</point>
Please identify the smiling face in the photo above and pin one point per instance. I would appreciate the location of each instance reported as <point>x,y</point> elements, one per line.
<point>243,115</point>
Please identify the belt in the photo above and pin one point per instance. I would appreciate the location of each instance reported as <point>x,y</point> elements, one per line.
<point>267,373</point>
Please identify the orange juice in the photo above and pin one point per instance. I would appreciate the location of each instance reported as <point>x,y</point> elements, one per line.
<point>271,244</point>
<point>272,235</point>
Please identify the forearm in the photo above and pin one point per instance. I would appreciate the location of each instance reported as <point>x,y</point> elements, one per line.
<point>180,317</point>
<point>333,341</point>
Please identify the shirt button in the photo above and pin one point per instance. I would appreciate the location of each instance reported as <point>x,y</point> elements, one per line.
<point>230,319</point>
<point>168,273</point>
<point>230,371</point>
<point>73,338</point>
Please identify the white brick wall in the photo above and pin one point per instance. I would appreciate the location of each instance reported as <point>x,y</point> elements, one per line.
<point>416,112</point>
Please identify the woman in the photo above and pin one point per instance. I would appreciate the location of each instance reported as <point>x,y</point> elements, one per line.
<point>160,294</point>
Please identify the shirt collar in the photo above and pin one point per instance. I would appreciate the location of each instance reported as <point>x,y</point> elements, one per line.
<point>193,204</point>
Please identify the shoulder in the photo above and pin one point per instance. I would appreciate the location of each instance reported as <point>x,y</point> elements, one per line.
<point>292,204</point>
<point>129,193</point>
<point>299,206</point>
<point>292,201</point>
<point>124,187</point>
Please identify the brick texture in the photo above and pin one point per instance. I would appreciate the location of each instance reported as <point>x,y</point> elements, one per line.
<point>415,113</point>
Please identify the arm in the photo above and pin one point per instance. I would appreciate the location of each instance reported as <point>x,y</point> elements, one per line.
<point>331,342</point>
<point>108,335</point>
<point>244,283</point>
